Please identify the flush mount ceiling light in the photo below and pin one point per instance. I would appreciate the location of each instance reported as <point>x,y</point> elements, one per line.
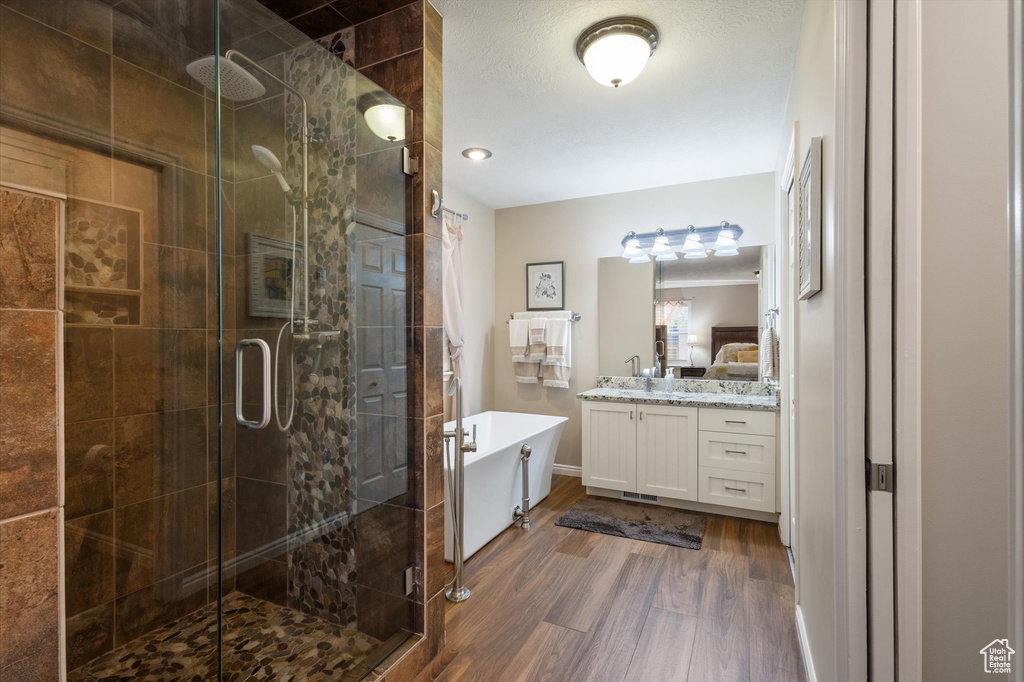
<point>476,153</point>
<point>616,50</point>
<point>384,115</point>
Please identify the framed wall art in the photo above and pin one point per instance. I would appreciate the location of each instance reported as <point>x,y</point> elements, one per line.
<point>809,253</point>
<point>545,286</point>
<point>272,276</point>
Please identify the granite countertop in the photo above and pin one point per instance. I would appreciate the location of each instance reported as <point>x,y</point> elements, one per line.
<point>726,400</point>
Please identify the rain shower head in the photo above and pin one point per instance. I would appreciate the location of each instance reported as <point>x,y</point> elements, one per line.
<point>272,164</point>
<point>236,84</point>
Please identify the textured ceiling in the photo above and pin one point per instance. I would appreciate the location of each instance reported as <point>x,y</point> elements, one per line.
<point>709,104</point>
<point>712,270</point>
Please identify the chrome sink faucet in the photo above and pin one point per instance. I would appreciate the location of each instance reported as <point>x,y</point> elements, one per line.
<point>635,362</point>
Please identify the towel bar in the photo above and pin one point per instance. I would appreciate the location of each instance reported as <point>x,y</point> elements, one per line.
<point>575,317</point>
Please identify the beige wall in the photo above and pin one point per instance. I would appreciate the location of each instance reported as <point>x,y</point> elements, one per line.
<point>734,305</point>
<point>478,310</point>
<point>625,314</point>
<point>811,102</point>
<point>965,350</point>
<point>581,231</point>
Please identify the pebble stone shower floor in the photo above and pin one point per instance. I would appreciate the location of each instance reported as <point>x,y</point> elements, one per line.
<point>262,641</point>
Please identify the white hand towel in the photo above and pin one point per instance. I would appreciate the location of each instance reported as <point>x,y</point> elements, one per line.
<point>558,362</point>
<point>519,339</point>
<point>768,354</point>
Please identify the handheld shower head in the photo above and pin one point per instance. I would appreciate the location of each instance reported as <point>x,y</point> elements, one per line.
<point>272,164</point>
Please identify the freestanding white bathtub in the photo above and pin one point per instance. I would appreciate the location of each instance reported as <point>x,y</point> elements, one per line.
<point>494,474</point>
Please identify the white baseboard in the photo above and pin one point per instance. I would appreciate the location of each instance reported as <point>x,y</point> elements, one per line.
<point>567,470</point>
<point>805,646</point>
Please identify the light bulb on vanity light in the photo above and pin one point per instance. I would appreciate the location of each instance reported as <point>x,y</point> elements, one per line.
<point>632,249</point>
<point>692,248</point>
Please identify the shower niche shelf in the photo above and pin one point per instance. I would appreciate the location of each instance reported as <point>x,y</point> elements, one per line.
<point>102,264</point>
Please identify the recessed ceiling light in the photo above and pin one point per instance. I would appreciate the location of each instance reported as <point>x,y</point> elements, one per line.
<point>477,153</point>
<point>616,50</point>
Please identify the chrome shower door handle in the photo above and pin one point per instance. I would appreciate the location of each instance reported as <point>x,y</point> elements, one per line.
<point>265,357</point>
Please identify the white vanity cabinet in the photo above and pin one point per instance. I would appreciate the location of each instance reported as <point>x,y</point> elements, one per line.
<point>609,445</point>
<point>737,458</point>
<point>711,455</point>
<point>638,448</point>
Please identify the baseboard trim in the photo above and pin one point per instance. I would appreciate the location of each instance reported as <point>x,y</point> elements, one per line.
<point>567,470</point>
<point>805,646</point>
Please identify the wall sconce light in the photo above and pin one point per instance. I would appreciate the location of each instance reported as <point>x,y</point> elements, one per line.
<point>384,115</point>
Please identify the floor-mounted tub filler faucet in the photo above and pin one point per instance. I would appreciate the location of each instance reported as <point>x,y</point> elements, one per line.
<point>457,491</point>
<point>522,514</point>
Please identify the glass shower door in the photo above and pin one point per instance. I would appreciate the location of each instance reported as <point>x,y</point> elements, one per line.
<point>316,515</point>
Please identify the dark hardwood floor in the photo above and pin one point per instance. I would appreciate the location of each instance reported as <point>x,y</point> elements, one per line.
<point>565,605</point>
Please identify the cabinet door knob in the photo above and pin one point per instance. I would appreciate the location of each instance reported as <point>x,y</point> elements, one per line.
<point>631,415</point>
<point>641,415</point>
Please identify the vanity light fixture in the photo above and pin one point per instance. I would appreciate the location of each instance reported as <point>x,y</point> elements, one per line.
<point>384,115</point>
<point>693,242</point>
<point>476,153</point>
<point>616,50</point>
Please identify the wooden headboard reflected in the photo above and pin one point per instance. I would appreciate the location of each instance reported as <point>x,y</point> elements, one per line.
<point>723,335</point>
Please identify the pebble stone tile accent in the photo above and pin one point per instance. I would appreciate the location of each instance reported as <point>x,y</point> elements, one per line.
<point>262,641</point>
<point>321,552</point>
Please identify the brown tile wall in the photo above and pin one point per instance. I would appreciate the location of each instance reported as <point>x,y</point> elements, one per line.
<point>139,399</point>
<point>30,511</point>
<point>399,48</point>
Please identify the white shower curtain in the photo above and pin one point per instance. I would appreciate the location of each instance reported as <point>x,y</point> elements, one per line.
<point>454,328</point>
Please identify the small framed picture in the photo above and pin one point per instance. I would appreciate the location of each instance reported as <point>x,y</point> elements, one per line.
<point>273,277</point>
<point>545,286</point>
<point>809,248</point>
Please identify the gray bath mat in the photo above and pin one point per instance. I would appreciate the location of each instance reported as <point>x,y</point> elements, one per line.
<point>637,521</point>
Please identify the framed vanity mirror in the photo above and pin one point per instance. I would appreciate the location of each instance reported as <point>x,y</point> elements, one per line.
<point>698,318</point>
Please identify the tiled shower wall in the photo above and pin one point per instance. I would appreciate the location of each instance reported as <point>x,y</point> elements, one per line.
<point>30,511</point>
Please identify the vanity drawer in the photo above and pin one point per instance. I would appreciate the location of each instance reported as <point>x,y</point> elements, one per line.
<point>758,422</point>
<point>729,488</point>
<point>736,451</point>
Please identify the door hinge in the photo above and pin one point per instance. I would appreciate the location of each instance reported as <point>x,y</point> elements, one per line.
<point>882,478</point>
<point>410,581</point>
<point>410,164</point>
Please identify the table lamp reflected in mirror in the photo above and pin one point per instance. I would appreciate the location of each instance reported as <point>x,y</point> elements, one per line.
<point>691,341</point>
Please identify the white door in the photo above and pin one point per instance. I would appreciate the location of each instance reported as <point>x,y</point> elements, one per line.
<point>609,445</point>
<point>666,447</point>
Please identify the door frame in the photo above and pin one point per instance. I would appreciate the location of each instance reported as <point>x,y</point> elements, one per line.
<point>1016,402</point>
<point>788,310</point>
<point>850,342</point>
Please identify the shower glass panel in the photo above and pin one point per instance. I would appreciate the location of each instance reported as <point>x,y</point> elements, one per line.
<point>195,545</point>
<point>313,574</point>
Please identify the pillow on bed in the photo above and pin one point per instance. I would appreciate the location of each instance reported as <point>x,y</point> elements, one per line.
<point>746,356</point>
<point>729,352</point>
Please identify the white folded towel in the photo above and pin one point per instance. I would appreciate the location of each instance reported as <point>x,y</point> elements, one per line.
<point>519,339</point>
<point>558,362</point>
